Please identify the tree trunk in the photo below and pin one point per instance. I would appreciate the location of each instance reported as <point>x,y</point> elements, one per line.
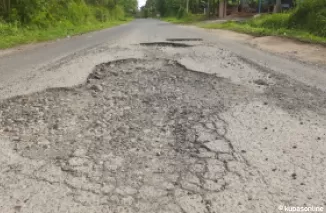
<point>278,6</point>
<point>222,9</point>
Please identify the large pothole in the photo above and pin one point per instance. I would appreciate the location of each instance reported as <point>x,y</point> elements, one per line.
<point>138,129</point>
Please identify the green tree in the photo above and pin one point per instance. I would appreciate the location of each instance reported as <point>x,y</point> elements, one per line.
<point>45,13</point>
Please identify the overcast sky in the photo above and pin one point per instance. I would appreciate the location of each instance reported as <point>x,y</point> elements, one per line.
<point>141,3</point>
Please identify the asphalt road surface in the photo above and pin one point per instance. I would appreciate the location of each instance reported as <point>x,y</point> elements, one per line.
<point>151,117</point>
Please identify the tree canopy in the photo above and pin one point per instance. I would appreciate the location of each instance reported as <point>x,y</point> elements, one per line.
<point>45,13</point>
<point>174,7</point>
<point>179,7</point>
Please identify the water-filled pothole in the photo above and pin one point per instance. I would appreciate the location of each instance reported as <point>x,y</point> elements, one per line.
<point>184,39</point>
<point>166,44</point>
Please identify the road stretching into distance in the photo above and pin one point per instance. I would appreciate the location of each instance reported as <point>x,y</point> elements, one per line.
<point>151,117</point>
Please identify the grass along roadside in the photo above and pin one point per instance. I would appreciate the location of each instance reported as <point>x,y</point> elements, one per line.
<point>19,36</point>
<point>267,25</point>
<point>247,28</point>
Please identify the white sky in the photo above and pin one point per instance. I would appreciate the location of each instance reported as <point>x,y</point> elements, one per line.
<point>141,3</point>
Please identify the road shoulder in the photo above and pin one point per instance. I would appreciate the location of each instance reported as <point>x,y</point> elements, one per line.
<point>292,49</point>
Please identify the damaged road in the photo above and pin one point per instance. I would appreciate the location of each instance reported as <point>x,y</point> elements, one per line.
<point>160,124</point>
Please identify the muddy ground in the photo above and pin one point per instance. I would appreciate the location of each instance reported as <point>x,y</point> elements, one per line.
<point>172,127</point>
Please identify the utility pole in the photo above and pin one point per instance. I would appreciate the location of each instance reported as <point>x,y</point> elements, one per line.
<point>259,9</point>
<point>208,9</point>
<point>242,4</point>
<point>222,8</point>
<point>102,11</point>
<point>187,7</point>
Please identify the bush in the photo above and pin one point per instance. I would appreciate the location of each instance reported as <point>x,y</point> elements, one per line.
<point>274,21</point>
<point>78,13</point>
<point>43,14</point>
<point>117,13</point>
<point>310,15</point>
<point>101,13</point>
<point>7,29</point>
<point>182,13</point>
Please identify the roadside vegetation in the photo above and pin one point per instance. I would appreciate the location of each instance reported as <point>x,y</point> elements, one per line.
<point>307,22</point>
<point>176,11</point>
<point>185,19</point>
<point>26,21</point>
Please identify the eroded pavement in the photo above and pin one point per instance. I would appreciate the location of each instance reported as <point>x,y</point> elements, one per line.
<point>162,127</point>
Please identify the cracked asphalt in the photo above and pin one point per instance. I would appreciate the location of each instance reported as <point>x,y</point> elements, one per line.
<point>156,118</point>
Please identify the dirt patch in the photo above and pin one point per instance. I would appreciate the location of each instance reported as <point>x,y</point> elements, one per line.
<point>311,53</point>
<point>293,49</point>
